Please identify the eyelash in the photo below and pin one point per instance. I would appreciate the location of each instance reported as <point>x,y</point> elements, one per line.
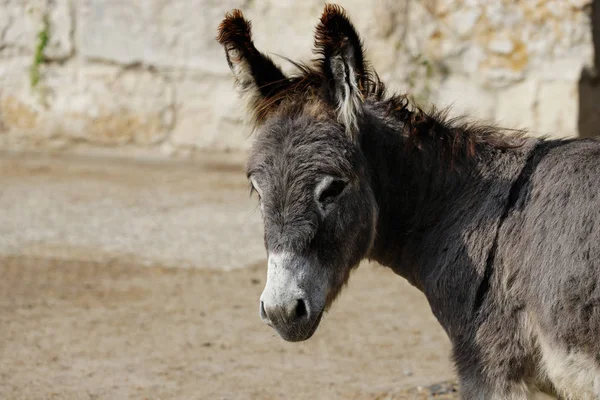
<point>253,190</point>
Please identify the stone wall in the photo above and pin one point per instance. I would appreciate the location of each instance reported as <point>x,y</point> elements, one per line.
<point>147,77</point>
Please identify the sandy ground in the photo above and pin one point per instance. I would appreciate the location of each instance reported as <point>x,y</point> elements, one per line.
<point>105,311</point>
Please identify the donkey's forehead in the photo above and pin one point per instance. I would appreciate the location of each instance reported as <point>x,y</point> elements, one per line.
<point>302,142</point>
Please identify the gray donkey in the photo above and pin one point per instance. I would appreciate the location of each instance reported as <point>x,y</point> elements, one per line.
<point>501,232</point>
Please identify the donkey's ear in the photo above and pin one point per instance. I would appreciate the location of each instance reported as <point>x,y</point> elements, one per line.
<point>342,62</point>
<point>256,75</point>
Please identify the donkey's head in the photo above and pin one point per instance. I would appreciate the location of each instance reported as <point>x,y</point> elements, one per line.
<point>307,167</point>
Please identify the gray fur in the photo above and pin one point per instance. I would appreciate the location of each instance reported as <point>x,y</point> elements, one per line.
<point>500,232</point>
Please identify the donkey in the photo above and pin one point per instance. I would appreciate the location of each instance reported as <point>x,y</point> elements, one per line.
<point>500,231</point>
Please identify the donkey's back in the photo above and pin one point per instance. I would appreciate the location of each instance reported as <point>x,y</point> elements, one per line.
<point>547,268</point>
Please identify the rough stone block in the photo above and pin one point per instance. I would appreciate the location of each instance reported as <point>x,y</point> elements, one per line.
<point>557,109</point>
<point>516,106</point>
<point>22,22</point>
<point>563,69</point>
<point>106,107</point>
<point>19,24</point>
<point>214,122</point>
<point>162,33</point>
<point>60,44</point>
<point>466,97</point>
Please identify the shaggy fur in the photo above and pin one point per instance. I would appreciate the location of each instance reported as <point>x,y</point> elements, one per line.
<point>501,232</point>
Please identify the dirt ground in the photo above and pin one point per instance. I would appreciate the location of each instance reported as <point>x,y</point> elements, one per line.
<point>79,331</point>
<point>76,327</point>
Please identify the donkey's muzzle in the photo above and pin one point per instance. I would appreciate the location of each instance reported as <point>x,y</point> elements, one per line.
<point>293,322</point>
<point>282,315</point>
<point>291,302</point>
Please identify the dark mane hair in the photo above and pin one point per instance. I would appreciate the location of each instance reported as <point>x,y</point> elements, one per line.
<point>453,138</point>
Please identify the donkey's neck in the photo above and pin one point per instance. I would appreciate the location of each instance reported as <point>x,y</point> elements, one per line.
<point>437,183</point>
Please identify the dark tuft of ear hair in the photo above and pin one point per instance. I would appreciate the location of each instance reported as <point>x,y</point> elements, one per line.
<point>235,31</point>
<point>343,64</point>
<point>256,74</point>
<point>335,34</point>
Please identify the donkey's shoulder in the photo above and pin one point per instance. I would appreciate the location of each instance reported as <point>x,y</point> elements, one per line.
<point>573,162</point>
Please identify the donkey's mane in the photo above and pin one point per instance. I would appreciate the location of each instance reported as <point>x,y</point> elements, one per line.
<point>451,138</point>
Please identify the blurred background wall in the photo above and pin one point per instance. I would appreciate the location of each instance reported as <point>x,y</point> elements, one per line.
<point>146,77</point>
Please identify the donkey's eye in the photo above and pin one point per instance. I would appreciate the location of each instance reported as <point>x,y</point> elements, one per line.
<point>335,188</point>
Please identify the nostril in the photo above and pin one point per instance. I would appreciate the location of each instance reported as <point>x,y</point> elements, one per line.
<point>263,313</point>
<point>301,311</point>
